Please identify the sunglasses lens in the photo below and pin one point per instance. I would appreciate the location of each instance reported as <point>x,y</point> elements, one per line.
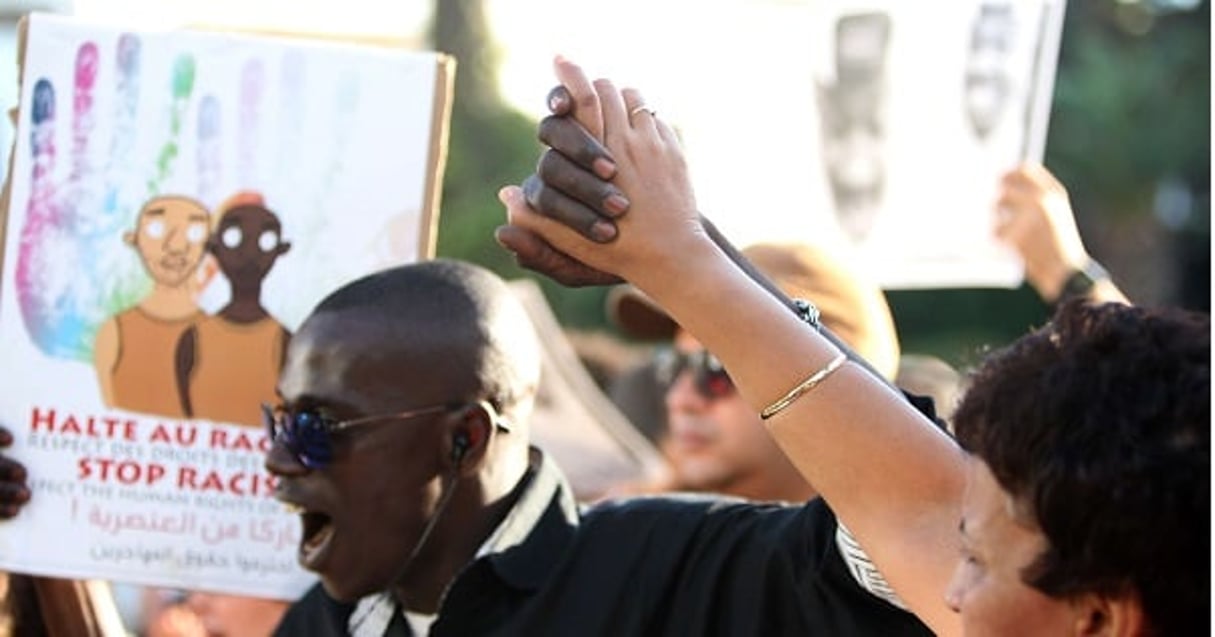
<point>714,384</point>
<point>307,434</point>
<point>708,375</point>
<point>711,378</point>
<point>667,364</point>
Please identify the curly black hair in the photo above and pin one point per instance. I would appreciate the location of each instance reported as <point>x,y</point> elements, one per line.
<point>1099,426</point>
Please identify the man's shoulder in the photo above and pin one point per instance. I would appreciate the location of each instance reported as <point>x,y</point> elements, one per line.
<point>683,514</point>
<point>316,614</point>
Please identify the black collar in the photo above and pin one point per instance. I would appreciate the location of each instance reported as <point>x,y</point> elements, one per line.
<point>537,530</point>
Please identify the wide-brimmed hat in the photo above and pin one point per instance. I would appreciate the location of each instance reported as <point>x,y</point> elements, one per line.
<point>853,307</point>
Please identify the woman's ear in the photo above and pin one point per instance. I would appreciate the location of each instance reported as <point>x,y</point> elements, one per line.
<point>1106,616</point>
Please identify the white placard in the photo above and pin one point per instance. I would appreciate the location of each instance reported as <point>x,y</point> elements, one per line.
<point>883,127</point>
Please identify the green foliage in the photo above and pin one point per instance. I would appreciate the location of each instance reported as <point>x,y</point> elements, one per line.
<point>485,152</point>
<point>490,145</point>
<point>1131,108</point>
<point>958,325</point>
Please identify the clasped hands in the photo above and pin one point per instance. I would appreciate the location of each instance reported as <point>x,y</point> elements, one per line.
<point>568,220</point>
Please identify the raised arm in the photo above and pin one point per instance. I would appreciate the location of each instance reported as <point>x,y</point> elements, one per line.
<point>1034,216</point>
<point>888,473</point>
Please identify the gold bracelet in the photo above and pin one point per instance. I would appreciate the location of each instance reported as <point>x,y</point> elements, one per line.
<point>803,387</point>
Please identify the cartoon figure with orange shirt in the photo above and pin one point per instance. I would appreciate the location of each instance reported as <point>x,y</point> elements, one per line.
<point>227,365</point>
<point>133,353</point>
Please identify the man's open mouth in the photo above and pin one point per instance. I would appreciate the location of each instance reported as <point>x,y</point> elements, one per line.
<point>317,533</point>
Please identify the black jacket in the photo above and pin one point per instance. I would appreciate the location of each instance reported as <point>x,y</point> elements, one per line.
<point>671,565</point>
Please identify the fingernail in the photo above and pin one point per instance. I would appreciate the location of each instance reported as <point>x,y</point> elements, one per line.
<point>603,231</point>
<point>604,168</point>
<point>616,204</point>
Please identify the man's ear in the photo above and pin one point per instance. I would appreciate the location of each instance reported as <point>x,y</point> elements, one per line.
<point>128,237</point>
<point>1105,616</point>
<point>470,432</point>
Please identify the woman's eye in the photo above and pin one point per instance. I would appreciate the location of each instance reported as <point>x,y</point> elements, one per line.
<point>971,560</point>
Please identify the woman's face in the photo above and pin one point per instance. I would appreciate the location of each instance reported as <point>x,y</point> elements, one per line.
<point>987,586</point>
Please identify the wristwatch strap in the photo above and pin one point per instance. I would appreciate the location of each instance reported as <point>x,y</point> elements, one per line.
<point>1081,281</point>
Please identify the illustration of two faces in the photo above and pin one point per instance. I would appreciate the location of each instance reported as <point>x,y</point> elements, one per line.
<point>166,356</point>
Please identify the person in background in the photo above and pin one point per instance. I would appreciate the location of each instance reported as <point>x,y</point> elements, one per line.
<point>236,615</point>
<point>933,377</point>
<point>636,391</point>
<point>172,620</point>
<point>1107,405</point>
<point>32,605</point>
<point>1034,217</point>
<point>713,440</point>
<point>204,614</point>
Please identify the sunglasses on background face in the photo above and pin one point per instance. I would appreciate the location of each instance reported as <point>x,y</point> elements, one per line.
<point>708,375</point>
<point>308,433</point>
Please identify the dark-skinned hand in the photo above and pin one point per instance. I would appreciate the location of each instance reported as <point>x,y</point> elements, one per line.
<point>14,492</point>
<point>572,184</point>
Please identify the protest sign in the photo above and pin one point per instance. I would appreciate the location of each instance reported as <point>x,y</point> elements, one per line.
<point>178,201</point>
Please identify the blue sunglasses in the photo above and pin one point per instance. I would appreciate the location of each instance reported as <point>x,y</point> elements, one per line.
<point>308,434</point>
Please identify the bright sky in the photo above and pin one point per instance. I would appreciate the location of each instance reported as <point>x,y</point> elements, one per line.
<point>375,18</point>
<point>732,75</point>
